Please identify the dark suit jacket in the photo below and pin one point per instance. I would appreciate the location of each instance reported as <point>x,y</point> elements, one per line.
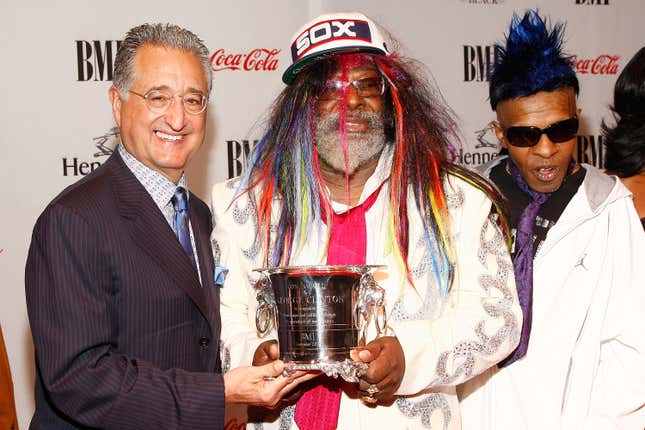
<point>125,335</point>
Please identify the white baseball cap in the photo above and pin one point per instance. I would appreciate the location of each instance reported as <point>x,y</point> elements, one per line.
<point>330,34</point>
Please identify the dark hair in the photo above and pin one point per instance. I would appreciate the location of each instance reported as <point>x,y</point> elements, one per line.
<point>531,60</point>
<point>625,142</point>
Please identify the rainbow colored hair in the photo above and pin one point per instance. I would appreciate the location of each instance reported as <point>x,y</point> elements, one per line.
<point>284,175</point>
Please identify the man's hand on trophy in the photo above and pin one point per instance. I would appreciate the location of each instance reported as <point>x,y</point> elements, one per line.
<point>386,368</point>
<point>261,385</point>
<point>267,352</point>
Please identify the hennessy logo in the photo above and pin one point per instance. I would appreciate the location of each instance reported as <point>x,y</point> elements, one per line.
<point>486,137</point>
<point>73,166</point>
<point>102,142</point>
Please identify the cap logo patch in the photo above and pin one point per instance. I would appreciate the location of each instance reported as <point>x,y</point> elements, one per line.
<point>329,31</point>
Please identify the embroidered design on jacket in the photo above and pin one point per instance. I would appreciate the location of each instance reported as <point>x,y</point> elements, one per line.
<point>466,351</point>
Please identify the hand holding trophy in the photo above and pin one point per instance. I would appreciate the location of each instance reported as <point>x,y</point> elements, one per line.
<point>321,314</point>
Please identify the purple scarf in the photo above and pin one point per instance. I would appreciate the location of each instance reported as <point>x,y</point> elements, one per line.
<point>523,262</point>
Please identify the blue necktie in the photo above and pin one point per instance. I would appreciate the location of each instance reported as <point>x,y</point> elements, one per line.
<point>181,221</point>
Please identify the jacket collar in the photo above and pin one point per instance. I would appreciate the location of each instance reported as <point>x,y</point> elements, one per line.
<point>600,189</point>
<point>151,232</point>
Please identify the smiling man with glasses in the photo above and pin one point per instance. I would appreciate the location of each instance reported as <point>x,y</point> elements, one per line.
<point>579,253</point>
<point>122,291</point>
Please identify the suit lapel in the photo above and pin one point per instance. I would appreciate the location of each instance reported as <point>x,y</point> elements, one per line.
<point>201,230</point>
<point>152,233</point>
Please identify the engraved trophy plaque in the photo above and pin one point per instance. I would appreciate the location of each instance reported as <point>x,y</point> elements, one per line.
<point>321,313</point>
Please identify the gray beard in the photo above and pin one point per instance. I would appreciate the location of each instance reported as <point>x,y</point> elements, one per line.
<point>361,147</point>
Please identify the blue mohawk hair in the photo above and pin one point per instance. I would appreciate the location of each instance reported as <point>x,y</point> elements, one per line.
<point>532,60</point>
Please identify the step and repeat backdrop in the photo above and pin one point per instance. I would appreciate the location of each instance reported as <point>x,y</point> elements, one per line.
<point>58,58</point>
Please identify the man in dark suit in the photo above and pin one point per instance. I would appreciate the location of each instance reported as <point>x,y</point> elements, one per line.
<point>122,300</point>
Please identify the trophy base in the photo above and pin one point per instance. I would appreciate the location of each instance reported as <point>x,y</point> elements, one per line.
<point>349,370</point>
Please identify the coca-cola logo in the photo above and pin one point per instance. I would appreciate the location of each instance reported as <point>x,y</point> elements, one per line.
<point>258,60</point>
<point>604,64</point>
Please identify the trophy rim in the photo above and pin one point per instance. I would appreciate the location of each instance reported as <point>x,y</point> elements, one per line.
<point>347,369</point>
<point>324,268</point>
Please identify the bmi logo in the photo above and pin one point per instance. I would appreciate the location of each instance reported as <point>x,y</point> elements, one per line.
<point>478,60</point>
<point>104,145</point>
<point>238,155</point>
<point>95,59</point>
<point>591,150</point>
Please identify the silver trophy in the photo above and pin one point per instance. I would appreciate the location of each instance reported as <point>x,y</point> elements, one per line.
<point>321,314</point>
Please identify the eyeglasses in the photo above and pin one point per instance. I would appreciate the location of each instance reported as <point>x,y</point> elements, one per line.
<point>558,132</point>
<point>366,87</point>
<point>159,101</point>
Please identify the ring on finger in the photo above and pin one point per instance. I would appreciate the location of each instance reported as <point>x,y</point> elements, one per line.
<point>369,400</point>
<point>372,389</point>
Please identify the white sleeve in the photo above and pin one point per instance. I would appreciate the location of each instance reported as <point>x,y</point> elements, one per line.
<point>481,320</point>
<point>235,248</point>
<point>618,392</point>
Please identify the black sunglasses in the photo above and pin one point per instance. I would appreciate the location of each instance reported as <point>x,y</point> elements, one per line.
<point>558,132</point>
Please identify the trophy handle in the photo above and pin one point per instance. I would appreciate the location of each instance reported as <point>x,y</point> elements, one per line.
<point>370,306</point>
<point>265,313</point>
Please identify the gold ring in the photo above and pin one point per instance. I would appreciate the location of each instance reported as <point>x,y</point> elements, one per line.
<point>369,400</point>
<point>372,389</point>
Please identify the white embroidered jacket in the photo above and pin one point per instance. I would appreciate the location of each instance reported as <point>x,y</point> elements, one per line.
<point>444,343</point>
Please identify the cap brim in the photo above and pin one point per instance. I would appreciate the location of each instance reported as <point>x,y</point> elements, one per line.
<point>289,75</point>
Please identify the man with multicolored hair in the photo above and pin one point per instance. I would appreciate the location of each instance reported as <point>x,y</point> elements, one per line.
<point>352,170</point>
<point>578,251</point>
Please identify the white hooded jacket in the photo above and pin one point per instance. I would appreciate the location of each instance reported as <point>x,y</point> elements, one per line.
<point>585,365</point>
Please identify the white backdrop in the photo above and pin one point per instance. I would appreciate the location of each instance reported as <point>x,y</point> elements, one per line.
<point>56,121</point>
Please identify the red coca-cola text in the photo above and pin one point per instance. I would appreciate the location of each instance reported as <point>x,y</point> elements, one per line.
<point>604,64</point>
<point>258,59</point>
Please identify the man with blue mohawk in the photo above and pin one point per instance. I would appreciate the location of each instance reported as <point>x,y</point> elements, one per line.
<point>578,257</point>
